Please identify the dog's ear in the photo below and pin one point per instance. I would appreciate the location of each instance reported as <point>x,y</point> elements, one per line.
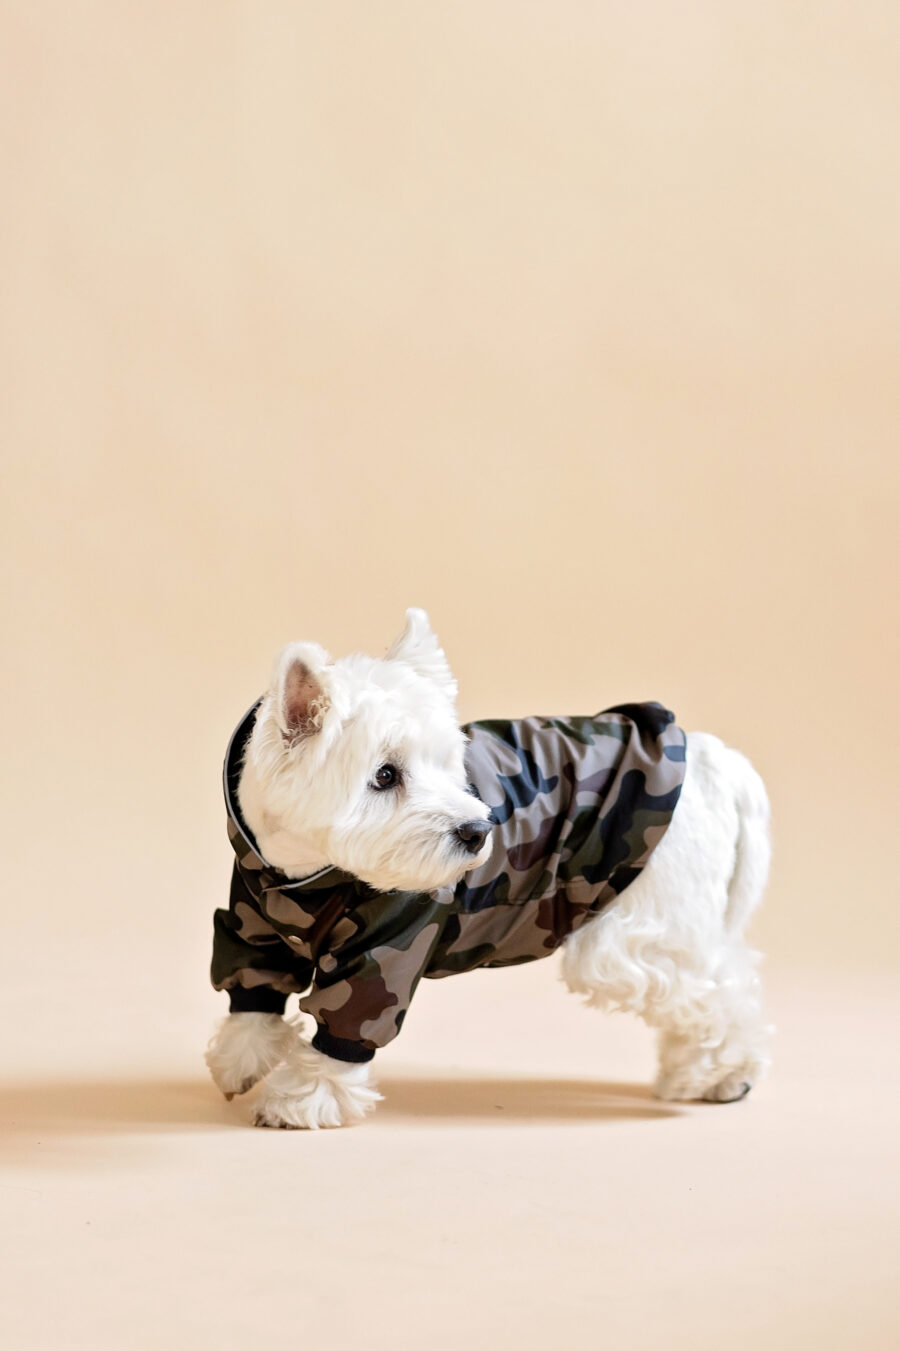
<point>419,648</point>
<point>300,689</point>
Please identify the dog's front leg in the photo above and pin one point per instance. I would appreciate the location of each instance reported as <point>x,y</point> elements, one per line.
<point>312,1090</point>
<point>245,1047</point>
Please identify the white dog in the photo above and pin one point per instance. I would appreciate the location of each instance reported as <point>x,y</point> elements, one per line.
<point>377,842</point>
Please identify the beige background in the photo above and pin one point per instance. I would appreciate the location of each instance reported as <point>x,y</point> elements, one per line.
<point>578,325</point>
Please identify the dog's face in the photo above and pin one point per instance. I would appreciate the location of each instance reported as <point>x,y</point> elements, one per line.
<point>360,762</point>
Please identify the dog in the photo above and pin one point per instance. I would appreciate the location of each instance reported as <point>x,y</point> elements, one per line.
<point>377,842</point>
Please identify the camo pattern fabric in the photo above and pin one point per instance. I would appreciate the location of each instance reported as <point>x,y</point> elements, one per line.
<point>577,804</point>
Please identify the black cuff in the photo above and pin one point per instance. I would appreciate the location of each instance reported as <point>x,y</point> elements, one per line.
<point>339,1049</point>
<point>261,999</point>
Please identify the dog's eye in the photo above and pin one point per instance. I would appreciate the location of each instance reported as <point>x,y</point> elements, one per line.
<point>388,776</point>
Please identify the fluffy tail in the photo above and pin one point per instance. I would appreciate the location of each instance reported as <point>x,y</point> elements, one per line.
<point>754,849</point>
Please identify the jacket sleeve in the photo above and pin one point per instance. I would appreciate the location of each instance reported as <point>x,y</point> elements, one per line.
<point>251,960</point>
<point>363,986</point>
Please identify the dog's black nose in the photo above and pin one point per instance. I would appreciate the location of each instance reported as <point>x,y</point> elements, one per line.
<point>472,834</point>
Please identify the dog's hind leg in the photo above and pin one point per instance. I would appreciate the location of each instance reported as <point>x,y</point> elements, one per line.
<point>713,1042</point>
<point>712,1036</point>
<point>671,947</point>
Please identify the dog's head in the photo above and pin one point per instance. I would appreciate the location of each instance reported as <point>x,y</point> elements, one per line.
<point>359,763</point>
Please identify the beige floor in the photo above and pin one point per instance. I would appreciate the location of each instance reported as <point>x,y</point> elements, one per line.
<point>518,1187</point>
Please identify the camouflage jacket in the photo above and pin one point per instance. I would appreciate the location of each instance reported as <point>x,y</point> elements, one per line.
<point>577,806</point>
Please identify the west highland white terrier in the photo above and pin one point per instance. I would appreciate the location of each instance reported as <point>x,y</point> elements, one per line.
<point>377,842</point>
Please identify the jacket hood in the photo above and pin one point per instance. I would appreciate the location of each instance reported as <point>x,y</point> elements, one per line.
<point>259,873</point>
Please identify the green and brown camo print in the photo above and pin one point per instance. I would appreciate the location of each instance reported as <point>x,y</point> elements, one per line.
<point>577,804</point>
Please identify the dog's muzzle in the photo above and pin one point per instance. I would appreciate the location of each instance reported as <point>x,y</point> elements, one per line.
<point>472,835</point>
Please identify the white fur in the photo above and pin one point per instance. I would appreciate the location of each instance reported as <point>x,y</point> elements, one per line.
<point>245,1047</point>
<point>311,1091</point>
<point>308,797</point>
<point>671,948</point>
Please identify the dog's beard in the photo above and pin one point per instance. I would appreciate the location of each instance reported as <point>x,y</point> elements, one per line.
<point>420,862</point>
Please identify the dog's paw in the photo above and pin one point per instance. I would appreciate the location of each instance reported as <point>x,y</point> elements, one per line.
<point>311,1091</point>
<point>730,1089</point>
<point>706,1083</point>
<point>245,1047</point>
<point>243,1087</point>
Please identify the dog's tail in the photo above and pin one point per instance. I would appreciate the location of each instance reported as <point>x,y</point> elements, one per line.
<point>754,850</point>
